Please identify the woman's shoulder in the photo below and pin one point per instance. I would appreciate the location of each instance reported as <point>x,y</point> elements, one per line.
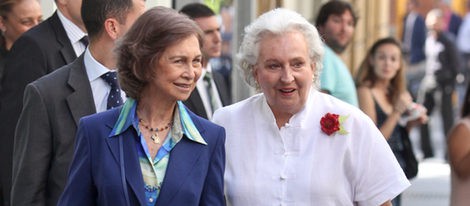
<point>202,122</point>
<point>461,127</point>
<point>240,107</point>
<point>101,118</point>
<point>363,91</point>
<point>465,122</point>
<point>329,104</point>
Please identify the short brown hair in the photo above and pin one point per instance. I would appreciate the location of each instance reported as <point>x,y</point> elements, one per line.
<point>144,43</point>
<point>334,8</point>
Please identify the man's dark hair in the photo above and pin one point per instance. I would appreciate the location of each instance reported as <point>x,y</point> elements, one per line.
<point>95,12</point>
<point>334,8</point>
<point>197,10</point>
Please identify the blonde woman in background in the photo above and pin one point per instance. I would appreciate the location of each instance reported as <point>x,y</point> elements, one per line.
<point>16,17</point>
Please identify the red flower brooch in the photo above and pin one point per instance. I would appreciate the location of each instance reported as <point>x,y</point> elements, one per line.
<point>331,123</point>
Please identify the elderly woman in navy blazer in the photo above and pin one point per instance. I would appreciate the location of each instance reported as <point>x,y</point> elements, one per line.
<point>152,150</point>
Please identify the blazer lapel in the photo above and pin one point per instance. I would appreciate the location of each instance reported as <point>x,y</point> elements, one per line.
<point>194,103</point>
<point>80,101</point>
<point>224,92</point>
<point>183,158</point>
<point>131,162</point>
<point>66,51</point>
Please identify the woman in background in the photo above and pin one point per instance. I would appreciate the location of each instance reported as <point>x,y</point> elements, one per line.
<point>459,156</point>
<point>16,17</point>
<point>383,97</point>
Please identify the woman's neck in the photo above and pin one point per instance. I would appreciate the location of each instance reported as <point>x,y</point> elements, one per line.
<point>155,112</point>
<point>282,118</point>
<point>381,84</point>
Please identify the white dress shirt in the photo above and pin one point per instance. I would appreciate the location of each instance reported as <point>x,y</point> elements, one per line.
<point>74,33</point>
<point>463,38</point>
<point>432,49</point>
<point>99,87</point>
<point>409,24</point>
<point>301,165</point>
<point>201,88</point>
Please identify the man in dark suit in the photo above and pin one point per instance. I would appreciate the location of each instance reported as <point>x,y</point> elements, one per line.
<point>414,34</point>
<point>413,38</point>
<point>53,105</point>
<point>48,46</point>
<point>451,20</point>
<point>206,98</point>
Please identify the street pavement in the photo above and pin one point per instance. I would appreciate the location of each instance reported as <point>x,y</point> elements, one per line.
<point>432,185</point>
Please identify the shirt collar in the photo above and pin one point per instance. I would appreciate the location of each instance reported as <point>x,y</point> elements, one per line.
<point>128,114</point>
<point>296,119</point>
<point>208,68</point>
<point>94,69</point>
<point>73,31</point>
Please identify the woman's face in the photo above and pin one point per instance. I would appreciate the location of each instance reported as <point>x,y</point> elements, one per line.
<point>177,70</point>
<point>386,61</point>
<point>22,17</point>
<point>284,71</point>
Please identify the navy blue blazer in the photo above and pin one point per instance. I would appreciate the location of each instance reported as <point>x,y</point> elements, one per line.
<point>194,175</point>
<point>418,39</point>
<point>454,24</point>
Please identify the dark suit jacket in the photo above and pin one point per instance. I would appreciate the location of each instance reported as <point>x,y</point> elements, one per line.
<point>449,60</point>
<point>194,102</point>
<point>37,52</point>
<point>418,38</point>
<point>194,175</point>
<point>454,24</point>
<point>45,136</point>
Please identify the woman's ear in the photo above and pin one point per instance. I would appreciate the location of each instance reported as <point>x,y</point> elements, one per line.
<point>254,73</point>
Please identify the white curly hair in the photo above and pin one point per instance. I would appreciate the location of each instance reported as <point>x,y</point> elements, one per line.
<point>277,21</point>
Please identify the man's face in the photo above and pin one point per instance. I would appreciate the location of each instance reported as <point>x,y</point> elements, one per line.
<point>212,37</point>
<point>71,9</point>
<point>138,8</point>
<point>338,31</point>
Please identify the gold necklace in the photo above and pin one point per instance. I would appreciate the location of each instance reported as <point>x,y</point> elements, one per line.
<point>155,138</point>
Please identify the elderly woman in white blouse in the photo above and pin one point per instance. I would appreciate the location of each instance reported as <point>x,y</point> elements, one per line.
<point>291,144</point>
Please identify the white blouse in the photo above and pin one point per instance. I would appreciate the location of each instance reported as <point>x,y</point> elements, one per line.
<point>301,165</point>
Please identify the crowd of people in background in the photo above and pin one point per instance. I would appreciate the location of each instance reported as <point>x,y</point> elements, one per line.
<point>110,103</point>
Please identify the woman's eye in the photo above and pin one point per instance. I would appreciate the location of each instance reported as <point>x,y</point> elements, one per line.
<point>197,62</point>
<point>298,65</point>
